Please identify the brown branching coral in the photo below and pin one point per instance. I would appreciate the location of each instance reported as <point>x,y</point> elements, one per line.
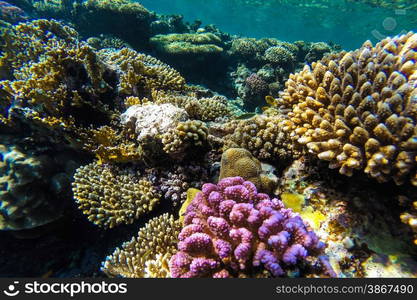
<point>146,255</point>
<point>357,110</point>
<point>261,136</point>
<point>187,134</point>
<point>110,195</point>
<point>142,73</point>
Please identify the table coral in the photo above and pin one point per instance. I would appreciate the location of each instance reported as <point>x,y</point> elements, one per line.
<point>357,109</point>
<point>110,195</point>
<point>148,254</point>
<point>232,230</point>
<point>187,44</point>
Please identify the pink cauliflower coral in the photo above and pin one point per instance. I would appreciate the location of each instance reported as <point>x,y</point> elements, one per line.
<point>231,229</point>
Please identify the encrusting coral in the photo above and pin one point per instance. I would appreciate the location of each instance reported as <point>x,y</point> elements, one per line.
<point>240,162</point>
<point>148,254</point>
<point>231,230</point>
<point>110,195</point>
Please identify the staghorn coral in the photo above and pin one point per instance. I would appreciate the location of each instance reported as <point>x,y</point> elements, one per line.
<point>240,162</point>
<point>187,134</point>
<point>231,230</point>
<point>357,110</point>
<point>141,73</point>
<point>110,195</point>
<point>147,254</point>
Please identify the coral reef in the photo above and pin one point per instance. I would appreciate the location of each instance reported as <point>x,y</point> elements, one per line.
<point>148,254</point>
<point>110,195</point>
<point>231,230</point>
<point>357,110</point>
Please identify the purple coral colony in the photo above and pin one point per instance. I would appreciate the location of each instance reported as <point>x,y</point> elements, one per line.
<point>281,159</point>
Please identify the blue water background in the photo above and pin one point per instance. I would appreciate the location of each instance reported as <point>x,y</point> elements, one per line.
<point>346,23</point>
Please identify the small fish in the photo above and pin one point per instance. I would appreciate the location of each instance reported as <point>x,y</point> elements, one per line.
<point>245,116</point>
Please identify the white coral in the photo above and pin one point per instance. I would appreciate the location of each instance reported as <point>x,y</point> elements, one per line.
<point>151,120</point>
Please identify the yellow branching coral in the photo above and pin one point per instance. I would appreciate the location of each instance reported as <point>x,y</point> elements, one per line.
<point>192,133</point>
<point>111,146</point>
<point>110,195</point>
<point>56,79</point>
<point>30,37</point>
<point>147,254</point>
<point>142,73</point>
<point>358,110</point>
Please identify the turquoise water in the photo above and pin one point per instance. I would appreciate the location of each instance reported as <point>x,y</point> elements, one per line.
<point>344,22</point>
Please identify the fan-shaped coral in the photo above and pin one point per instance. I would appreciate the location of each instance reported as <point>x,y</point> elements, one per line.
<point>232,230</point>
<point>110,195</point>
<point>148,254</point>
<point>357,110</point>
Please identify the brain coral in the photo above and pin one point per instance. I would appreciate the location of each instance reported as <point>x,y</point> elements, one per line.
<point>358,110</point>
<point>110,195</point>
<point>232,230</point>
<point>149,253</point>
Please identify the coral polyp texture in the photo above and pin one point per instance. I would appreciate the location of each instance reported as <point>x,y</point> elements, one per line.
<point>357,110</point>
<point>148,254</point>
<point>231,230</point>
<point>110,195</point>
